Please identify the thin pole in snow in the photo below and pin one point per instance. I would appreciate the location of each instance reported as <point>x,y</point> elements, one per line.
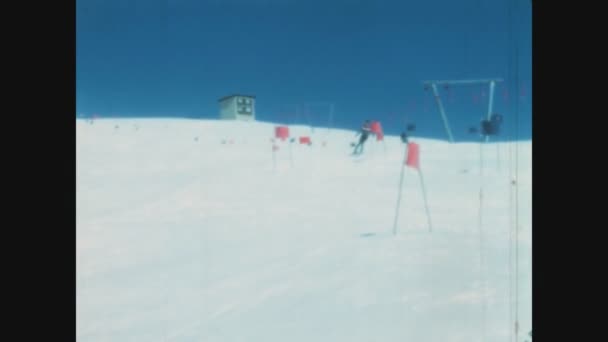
<point>399,195</point>
<point>426,205</point>
<point>480,219</point>
<point>481,258</point>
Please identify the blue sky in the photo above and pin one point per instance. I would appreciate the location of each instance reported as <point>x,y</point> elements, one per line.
<point>368,57</point>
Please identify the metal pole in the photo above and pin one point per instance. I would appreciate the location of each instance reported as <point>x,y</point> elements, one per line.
<point>426,205</point>
<point>490,105</point>
<point>434,84</point>
<point>442,112</point>
<point>492,88</point>
<point>481,259</point>
<point>463,82</point>
<point>399,195</point>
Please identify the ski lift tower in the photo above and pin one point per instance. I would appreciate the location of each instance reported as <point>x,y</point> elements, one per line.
<point>433,84</point>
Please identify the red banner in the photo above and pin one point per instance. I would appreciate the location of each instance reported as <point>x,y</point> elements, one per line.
<point>281,132</point>
<point>376,128</point>
<point>413,154</point>
<point>305,140</point>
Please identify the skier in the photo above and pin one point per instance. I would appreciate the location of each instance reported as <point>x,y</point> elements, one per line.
<point>364,132</point>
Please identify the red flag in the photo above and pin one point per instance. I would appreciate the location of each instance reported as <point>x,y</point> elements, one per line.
<point>281,132</point>
<point>413,154</point>
<point>305,140</point>
<point>376,128</point>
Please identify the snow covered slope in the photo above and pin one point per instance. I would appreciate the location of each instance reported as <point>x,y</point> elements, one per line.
<point>188,231</point>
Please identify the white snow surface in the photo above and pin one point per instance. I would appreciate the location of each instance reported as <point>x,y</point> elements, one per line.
<point>181,237</point>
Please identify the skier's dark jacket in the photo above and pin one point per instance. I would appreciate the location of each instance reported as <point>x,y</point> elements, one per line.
<point>365,131</point>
